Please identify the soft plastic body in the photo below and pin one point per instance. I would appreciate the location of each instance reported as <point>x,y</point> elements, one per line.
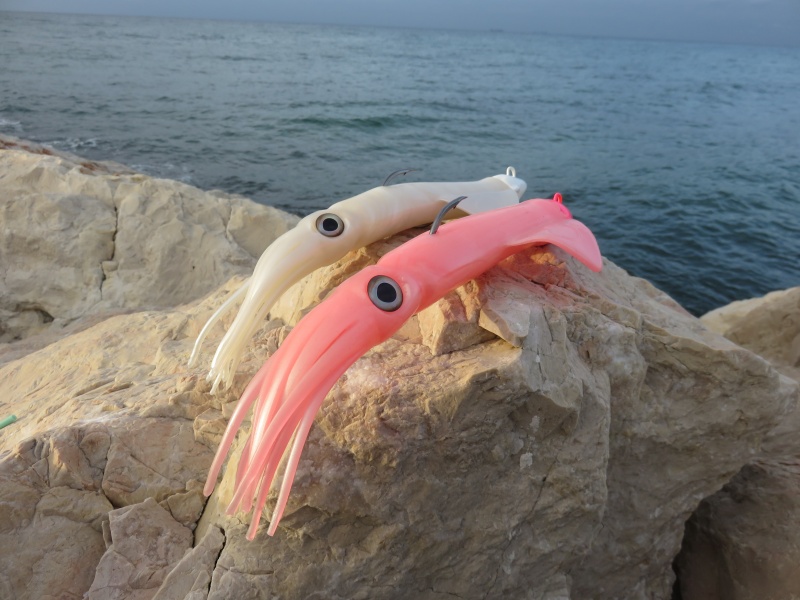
<point>291,386</point>
<point>366,218</point>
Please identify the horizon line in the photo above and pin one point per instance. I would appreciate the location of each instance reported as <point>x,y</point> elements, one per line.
<point>597,36</point>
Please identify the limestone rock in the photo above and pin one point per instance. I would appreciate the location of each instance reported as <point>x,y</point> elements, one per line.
<point>545,456</point>
<point>191,577</point>
<point>51,536</point>
<point>186,507</point>
<point>108,167</point>
<point>769,326</point>
<point>545,459</point>
<point>743,543</point>
<point>55,497</point>
<point>153,458</point>
<point>146,542</point>
<point>105,405</point>
<point>81,237</point>
<point>541,432</point>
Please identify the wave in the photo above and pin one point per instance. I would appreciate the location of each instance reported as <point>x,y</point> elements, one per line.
<point>9,125</point>
<point>228,57</point>
<point>363,123</point>
<point>356,123</point>
<point>241,185</point>
<point>74,143</point>
<point>166,171</point>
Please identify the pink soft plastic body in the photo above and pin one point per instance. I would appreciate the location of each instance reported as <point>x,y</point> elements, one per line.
<point>289,389</point>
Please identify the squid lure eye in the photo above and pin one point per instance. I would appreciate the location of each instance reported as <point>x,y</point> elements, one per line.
<point>385,293</point>
<point>330,225</point>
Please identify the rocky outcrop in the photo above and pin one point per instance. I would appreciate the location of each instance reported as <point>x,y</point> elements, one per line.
<point>541,432</point>
<point>83,237</point>
<point>768,326</point>
<point>743,543</point>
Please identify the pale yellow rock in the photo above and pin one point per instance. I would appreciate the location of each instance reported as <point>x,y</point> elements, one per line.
<point>452,323</point>
<point>546,463</point>
<point>51,536</point>
<point>146,543</point>
<point>186,507</point>
<point>53,243</point>
<point>93,433</point>
<point>102,417</point>
<point>107,167</point>
<point>153,458</point>
<point>80,238</point>
<point>769,326</point>
<point>512,464</point>
<point>543,432</point>
<point>191,577</point>
<point>743,543</point>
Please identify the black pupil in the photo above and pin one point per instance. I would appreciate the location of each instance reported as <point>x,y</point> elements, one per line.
<point>386,293</point>
<point>330,224</point>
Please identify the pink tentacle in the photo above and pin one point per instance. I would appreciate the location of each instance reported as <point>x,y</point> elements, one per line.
<point>291,465</point>
<point>244,461</point>
<point>240,412</point>
<point>268,474</point>
<point>286,361</point>
<point>272,392</point>
<point>294,360</point>
<point>295,405</point>
<point>279,453</point>
<point>270,449</point>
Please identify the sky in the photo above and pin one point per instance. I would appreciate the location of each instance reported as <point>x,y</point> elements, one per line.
<point>764,22</point>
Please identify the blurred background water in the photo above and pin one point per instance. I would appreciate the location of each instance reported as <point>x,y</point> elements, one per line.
<point>683,158</point>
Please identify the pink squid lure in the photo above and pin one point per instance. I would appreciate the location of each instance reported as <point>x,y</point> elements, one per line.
<point>362,312</point>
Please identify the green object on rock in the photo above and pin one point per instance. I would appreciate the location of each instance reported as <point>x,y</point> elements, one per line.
<point>8,421</point>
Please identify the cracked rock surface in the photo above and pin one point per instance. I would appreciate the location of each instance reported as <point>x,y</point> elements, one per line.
<point>541,432</point>
<point>81,237</point>
<point>145,544</point>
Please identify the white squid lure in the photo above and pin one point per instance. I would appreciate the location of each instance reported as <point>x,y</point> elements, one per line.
<point>325,236</point>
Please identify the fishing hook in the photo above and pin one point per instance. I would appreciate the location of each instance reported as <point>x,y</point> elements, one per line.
<point>447,207</point>
<point>397,173</point>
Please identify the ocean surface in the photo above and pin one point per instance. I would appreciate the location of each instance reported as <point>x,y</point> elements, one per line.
<point>683,158</point>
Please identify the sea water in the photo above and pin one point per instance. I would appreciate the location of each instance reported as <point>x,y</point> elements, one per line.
<point>683,158</point>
